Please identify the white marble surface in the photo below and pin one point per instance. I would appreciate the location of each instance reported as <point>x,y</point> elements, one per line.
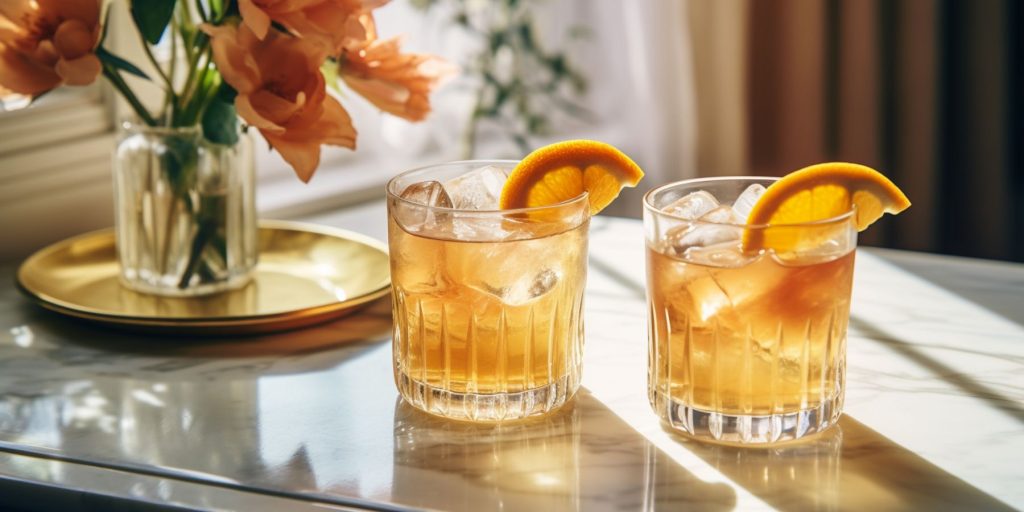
<point>934,410</point>
<point>61,486</point>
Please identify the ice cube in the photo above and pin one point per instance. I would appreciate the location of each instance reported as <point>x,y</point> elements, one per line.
<point>723,215</point>
<point>681,238</point>
<point>692,206</point>
<point>478,189</point>
<point>727,254</point>
<point>698,234</point>
<point>526,290</point>
<point>842,241</point>
<point>479,229</point>
<point>429,193</point>
<point>745,202</point>
<point>418,218</point>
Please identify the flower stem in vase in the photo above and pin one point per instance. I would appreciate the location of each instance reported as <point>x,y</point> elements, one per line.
<point>184,198</point>
<point>208,252</point>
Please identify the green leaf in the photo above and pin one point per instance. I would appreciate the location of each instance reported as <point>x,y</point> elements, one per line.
<point>226,93</point>
<point>119,63</point>
<point>526,34</point>
<point>220,121</point>
<point>106,24</point>
<point>538,124</point>
<point>557,65</point>
<point>152,17</point>
<point>497,39</point>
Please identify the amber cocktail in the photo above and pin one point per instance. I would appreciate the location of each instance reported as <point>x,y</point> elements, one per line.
<point>488,303</point>
<point>745,346</point>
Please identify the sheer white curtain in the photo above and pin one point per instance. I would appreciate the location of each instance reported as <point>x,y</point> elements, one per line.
<point>638,64</point>
<point>641,66</point>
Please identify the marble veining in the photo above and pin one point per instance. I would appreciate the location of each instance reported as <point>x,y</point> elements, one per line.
<point>934,409</point>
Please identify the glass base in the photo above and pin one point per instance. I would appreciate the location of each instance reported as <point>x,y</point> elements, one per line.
<point>171,290</point>
<point>746,429</point>
<point>486,408</point>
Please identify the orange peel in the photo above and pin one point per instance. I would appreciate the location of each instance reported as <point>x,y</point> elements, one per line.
<point>816,193</point>
<point>564,170</point>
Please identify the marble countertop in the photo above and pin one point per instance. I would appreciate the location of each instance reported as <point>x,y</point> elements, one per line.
<point>310,419</point>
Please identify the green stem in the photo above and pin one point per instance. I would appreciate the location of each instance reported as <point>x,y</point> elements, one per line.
<point>171,100</point>
<point>179,27</point>
<point>193,80</point>
<point>223,12</point>
<point>172,213</point>
<point>186,10</point>
<point>209,94</point>
<point>183,24</point>
<point>186,92</point>
<point>118,82</point>
<point>202,12</point>
<point>195,48</point>
<point>156,66</point>
<point>198,244</point>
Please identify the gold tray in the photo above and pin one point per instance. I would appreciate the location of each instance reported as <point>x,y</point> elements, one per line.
<point>306,274</point>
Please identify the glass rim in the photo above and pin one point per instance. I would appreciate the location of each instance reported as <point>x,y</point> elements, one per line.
<point>135,126</point>
<point>648,206</point>
<point>389,189</point>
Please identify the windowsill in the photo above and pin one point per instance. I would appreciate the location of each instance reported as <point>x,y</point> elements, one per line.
<point>358,180</point>
<point>333,186</point>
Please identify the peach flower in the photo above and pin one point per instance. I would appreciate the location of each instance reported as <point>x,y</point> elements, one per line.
<point>396,83</point>
<point>282,93</point>
<point>46,43</point>
<point>331,23</point>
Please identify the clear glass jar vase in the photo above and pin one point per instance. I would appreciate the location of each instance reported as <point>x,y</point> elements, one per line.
<point>185,212</point>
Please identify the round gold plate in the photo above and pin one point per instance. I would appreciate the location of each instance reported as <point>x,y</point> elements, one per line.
<point>306,274</point>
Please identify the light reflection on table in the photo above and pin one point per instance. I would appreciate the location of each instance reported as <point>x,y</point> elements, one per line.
<point>313,414</point>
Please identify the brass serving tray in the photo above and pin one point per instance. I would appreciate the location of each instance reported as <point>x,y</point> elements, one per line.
<point>306,274</point>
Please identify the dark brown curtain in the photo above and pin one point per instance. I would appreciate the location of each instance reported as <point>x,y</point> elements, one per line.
<point>927,91</point>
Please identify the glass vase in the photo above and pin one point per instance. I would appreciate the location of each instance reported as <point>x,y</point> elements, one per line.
<point>185,213</point>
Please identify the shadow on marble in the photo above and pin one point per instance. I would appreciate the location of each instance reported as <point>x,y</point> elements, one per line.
<point>849,467</point>
<point>583,457</point>
<point>958,378</point>
<point>611,272</point>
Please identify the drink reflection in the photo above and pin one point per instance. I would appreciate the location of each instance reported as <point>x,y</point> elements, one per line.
<point>582,457</point>
<point>530,465</point>
<point>849,467</point>
<point>799,476</point>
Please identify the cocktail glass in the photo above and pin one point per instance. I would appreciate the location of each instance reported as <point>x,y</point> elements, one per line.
<point>487,303</point>
<point>744,347</point>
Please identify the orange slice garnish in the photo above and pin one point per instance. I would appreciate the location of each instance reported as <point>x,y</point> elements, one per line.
<point>820,192</point>
<point>564,170</point>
